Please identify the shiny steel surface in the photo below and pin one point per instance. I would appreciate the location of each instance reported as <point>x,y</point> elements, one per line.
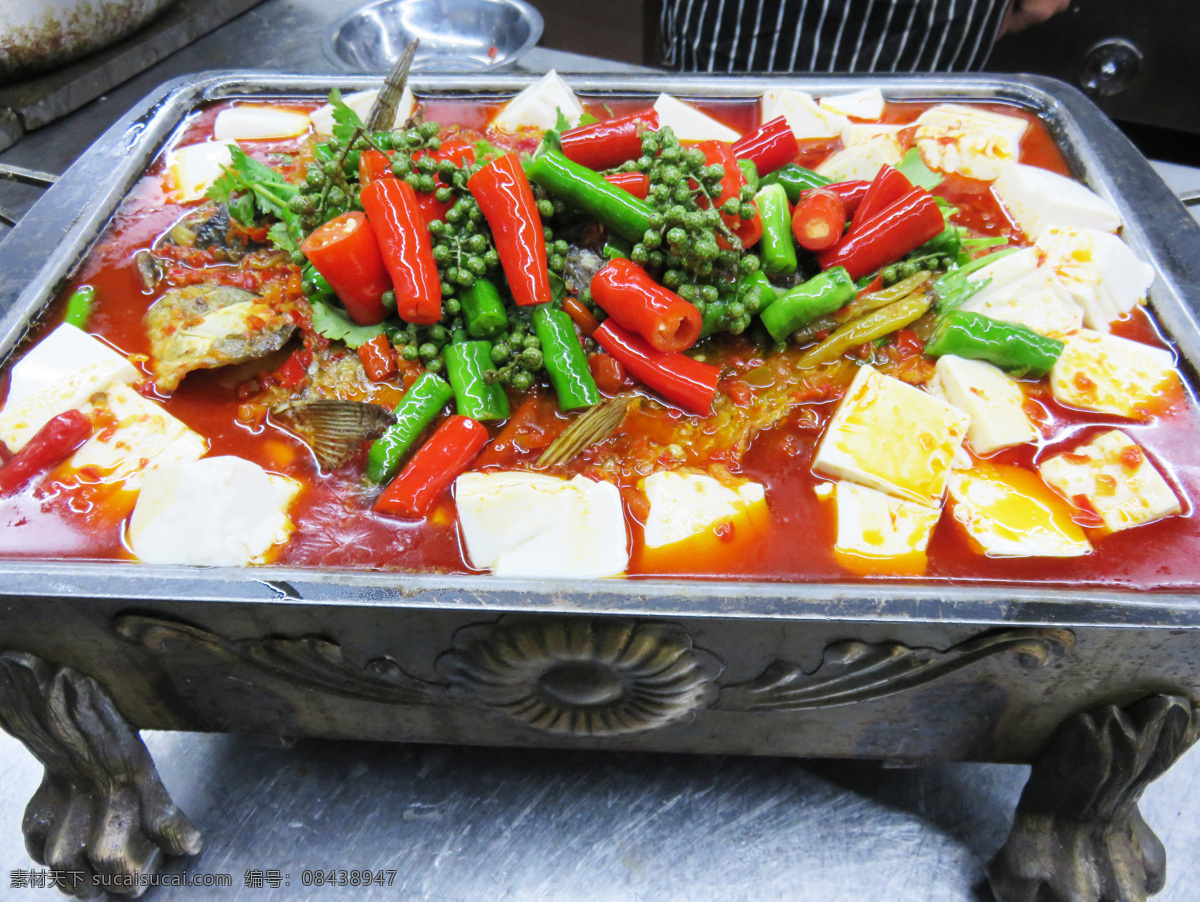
<point>465,825</point>
<point>455,35</point>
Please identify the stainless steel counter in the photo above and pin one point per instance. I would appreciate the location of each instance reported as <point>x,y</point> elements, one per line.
<point>470,824</point>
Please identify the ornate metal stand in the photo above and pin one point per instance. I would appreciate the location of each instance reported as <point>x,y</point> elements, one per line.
<point>101,818</point>
<point>1078,835</point>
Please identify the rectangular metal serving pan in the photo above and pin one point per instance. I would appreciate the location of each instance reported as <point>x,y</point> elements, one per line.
<point>883,670</point>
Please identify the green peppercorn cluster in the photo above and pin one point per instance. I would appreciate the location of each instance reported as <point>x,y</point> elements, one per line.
<point>330,187</point>
<point>898,272</point>
<point>682,238</point>
<point>517,353</point>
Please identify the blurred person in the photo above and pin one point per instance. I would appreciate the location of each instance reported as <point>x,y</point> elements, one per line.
<point>840,35</point>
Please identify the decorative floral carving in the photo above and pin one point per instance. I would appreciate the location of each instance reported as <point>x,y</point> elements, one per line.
<point>101,808</point>
<point>1078,835</point>
<point>582,676</point>
<point>853,671</point>
<point>307,660</point>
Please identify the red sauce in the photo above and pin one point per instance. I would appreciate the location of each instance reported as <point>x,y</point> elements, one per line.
<point>59,518</point>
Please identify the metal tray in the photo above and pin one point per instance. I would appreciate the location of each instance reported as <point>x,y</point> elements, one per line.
<point>880,670</point>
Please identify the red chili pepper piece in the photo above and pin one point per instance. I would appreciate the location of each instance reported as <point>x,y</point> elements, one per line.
<point>901,228</point>
<point>50,445</point>
<point>818,220</point>
<point>720,153</point>
<point>346,252</point>
<point>636,183</point>
<point>433,468</point>
<point>604,145</point>
<point>610,376</point>
<point>372,165</point>
<point>888,186</point>
<point>378,358</point>
<point>293,371</point>
<point>583,318</point>
<point>851,194</point>
<point>638,303</point>
<point>769,147</point>
<point>677,377</point>
<point>459,152</point>
<point>506,199</point>
<point>391,207</point>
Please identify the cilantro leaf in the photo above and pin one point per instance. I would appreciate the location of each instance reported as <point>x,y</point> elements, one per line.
<point>243,210</point>
<point>336,326</point>
<point>586,119</point>
<point>345,120</point>
<point>914,168</point>
<point>252,191</point>
<point>282,237</point>
<point>561,123</point>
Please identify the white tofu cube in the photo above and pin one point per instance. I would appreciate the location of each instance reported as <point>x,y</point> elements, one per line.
<point>529,524</point>
<point>1037,199</point>
<point>864,104</point>
<point>688,123</point>
<point>538,106</point>
<point>874,524</point>
<point>1113,474</point>
<point>194,168</point>
<point>1009,512</point>
<point>1037,300</point>
<point>860,161</point>
<point>215,512</point>
<point>59,373</point>
<point>890,436</point>
<point>132,436</point>
<point>862,133</point>
<point>992,399</point>
<point>1108,374</point>
<point>361,102</point>
<point>971,142</point>
<point>804,115</point>
<point>250,121</point>
<point>683,505</point>
<point>1098,269</point>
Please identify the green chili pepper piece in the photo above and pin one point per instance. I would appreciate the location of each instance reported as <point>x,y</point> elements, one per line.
<point>79,306</point>
<point>416,410</point>
<point>483,309</point>
<point>819,296</point>
<point>1010,346</point>
<point>750,174</point>
<point>756,287</point>
<point>777,248</point>
<point>565,360</point>
<point>616,247</point>
<point>324,152</point>
<point>713,317</point>
<point>315,284</point>
<point>954,288</point>
<point>466,364</point>
<point>794,179</point>
<point>586,189</point>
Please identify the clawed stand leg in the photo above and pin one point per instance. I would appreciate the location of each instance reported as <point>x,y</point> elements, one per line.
<point>1078,835</point>
<point>101,808</point>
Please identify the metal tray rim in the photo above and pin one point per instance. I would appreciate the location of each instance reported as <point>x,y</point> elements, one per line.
<point>1158,227</point>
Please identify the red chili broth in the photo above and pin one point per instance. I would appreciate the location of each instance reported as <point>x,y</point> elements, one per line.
<point>55,519</point>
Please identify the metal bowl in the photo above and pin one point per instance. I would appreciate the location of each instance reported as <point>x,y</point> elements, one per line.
<point>455,35</point>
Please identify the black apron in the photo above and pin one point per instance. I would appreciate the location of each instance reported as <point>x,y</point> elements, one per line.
<point>829,35</point>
